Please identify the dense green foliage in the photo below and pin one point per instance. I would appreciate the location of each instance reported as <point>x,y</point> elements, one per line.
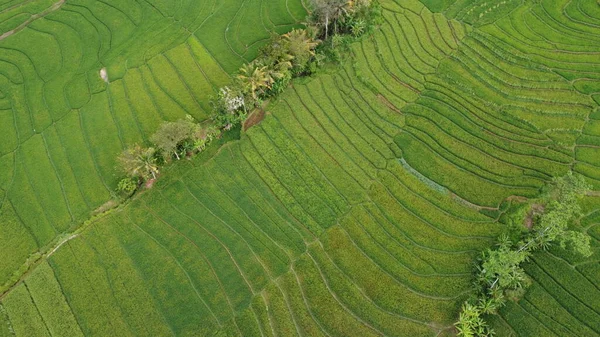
<point>500,274</point>
<point>295,54</point>
<point>128,185</point>
<point>357,207</point>
<point>283,58</point>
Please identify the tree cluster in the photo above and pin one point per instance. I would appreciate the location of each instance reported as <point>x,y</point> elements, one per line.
<point>499,274</point>
<point>285,57</point>
<point>295,54</point>
<point>172,140</point>
<point>333,19</point>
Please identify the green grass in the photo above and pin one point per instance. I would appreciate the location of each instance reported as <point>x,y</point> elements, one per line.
<point>52,306</point>
<point>56,112</point>
<point>5,325</point>
<point>24,316</point>
<point>356,208</point>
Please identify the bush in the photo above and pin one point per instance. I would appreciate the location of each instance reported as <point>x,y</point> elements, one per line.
<point>128,185</point>
<point>229,108</point>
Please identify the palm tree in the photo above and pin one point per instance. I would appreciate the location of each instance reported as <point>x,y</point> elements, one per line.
<point>255,77</point>
<point>137,161</point>
<point>281,65</point>
<point>471,324</point>
<point>300,45</point>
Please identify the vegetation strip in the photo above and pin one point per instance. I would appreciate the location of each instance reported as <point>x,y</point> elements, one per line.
<point>355,203</point>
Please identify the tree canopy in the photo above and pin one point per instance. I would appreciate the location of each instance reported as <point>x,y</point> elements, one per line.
<point>500,274</point>
<point>138,161</point>
<point>171,134</point>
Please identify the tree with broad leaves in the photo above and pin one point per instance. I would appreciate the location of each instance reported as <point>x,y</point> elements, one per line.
<point>170,135</point>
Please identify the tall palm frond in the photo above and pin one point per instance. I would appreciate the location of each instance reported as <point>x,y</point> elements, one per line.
<point>254,78</point>
<point>301,46</point>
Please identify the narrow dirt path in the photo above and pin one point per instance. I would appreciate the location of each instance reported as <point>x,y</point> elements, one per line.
<point>32,264</point>
<point>56,6</point>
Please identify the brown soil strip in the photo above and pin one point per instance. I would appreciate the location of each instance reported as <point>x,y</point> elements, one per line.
<point>34,17</point>
<point>255,117</point>
<point>389,104</point>
<point>405,84</point>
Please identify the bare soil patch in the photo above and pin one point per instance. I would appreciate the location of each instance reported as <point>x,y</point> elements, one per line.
<point>105,207</point>
<point>387,103</point>
<point>255,117</point>
<point>535,210</point>
<point>148,184</point>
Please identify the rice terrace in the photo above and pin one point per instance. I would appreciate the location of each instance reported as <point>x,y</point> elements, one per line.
<point>300,168</point>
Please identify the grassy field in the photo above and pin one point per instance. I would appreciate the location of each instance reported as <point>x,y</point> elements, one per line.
<point>356,208</point>
<point>62,126</point>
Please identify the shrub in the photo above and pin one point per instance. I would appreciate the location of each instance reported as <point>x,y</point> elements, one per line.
<point>128,185</point>
<point>229,108</point>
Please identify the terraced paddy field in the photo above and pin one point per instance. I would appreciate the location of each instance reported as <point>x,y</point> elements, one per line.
<point>356,208</point>
<point>62,125</point>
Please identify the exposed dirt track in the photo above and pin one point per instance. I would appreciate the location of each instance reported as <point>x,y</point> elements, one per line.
<point>56,6</point>
<point>255,117</point>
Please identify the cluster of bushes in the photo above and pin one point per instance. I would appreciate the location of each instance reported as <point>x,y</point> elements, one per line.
<point>499,275</point>
<point>331,24</point>
<point>178,139</point>
<point>340,22</point>
<point>285,57</point>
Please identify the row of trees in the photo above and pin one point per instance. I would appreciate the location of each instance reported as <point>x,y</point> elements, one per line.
<point>499,274</point>
<point>285,57</point>
<point>297,53</point>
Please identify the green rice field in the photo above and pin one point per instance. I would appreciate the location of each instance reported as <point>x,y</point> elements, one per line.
<point>357,207</point>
